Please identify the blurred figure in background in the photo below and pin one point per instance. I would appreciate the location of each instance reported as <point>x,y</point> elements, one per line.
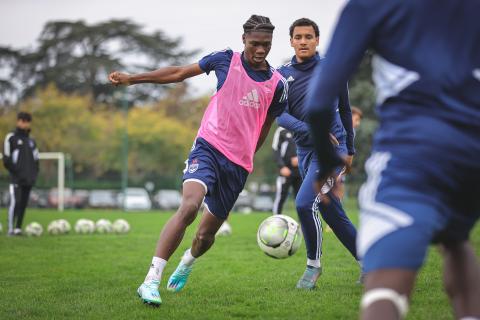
<point>20,157</point>
<point>285,154</point>
<point>357,116</point>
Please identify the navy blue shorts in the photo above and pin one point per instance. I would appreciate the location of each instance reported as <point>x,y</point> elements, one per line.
<point>223,180</point>
<point>408,203</point>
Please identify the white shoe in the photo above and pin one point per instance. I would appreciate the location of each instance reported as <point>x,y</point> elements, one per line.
<point>149,294</point>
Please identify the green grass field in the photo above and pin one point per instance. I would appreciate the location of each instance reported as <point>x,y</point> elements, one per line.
<point>96,276</point>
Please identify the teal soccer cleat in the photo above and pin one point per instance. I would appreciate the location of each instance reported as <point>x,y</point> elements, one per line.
<point>149,294</point>
<point>179,278</point>
<point>309,278</point>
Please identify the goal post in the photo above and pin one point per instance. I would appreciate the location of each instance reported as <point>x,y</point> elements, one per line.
<point>60,158</point>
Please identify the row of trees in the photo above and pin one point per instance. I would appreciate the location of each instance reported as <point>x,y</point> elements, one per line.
<point>77,57</point>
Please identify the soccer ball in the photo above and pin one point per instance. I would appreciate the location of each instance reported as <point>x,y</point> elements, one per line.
<point>1,228</point>
<point>121,226</point>
<point>225,230</point>
<point>64,225</point>
<point>279,236</point>
<point>34,229</point>
<point>54,228</point>
<point>103,226</point>
<point>84,226</point>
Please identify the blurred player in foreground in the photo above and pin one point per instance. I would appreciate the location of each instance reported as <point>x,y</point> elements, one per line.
<point>424,172</point>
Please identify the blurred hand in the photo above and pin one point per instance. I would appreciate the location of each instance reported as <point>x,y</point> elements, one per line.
<point>336,189</point>
<point>334,140</point>
<point>285,171</point>
<point>119,78</point>
<point>294,161</point>
<point>348,163</point>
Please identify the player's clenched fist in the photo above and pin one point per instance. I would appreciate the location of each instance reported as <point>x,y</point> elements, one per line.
<point>118,78</point>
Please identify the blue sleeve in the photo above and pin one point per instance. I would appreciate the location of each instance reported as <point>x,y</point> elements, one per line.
<point>289,122</point>
<point>346,49</point>
<point>346,117</point>
<point>215,60</point>
<point>279,101</point>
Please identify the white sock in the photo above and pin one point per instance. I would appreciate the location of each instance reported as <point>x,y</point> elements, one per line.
<point>156,269</point>
<point>187,258</point>
<point>314,263</point>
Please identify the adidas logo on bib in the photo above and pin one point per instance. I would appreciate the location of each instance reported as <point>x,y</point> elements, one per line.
<point>250,100</point>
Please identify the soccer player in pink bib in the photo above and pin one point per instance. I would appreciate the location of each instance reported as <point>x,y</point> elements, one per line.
<point>250,95</point>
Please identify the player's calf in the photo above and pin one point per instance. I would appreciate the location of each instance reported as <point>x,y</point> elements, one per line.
<point>387,293</point>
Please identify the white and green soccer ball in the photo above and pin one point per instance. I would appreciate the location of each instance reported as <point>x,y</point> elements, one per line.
<point>103,226</point>
<point>64,226</point>
<point>84,226</point>
<point>279,236</point>
<point>34,229</point>
<point>54,228</point>
<point>121,226</point>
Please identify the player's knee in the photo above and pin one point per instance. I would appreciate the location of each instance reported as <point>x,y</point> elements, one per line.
<point>304,207</point>
<point>205,237</point>
<point>399,301</point>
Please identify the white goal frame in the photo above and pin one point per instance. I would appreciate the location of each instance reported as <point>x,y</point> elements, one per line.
<point>60,157</point>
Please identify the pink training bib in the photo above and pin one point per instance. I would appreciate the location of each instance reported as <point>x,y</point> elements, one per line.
<point>235,115</point>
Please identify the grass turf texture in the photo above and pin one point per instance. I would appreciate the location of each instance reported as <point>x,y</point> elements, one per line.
<point>96,276</point>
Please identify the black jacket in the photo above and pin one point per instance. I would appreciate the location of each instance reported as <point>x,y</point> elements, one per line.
<point>284,149</point>
<point>20,157</point>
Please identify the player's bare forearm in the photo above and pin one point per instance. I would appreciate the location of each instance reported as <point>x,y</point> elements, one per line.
<point>264,133</point>
<point>160,76</point>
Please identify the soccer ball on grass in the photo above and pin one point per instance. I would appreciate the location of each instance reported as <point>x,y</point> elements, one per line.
<point>103,226</point>
<point>84,226</point>
<point>121,226</point>
<point>34,229</point>
<point>279,236</point>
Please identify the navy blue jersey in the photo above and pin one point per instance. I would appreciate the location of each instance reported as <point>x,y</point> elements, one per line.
<point>219,62</point>
<point>426,69</point>
<point>298,76</point>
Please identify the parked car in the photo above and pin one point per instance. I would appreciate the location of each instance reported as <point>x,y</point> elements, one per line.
<point>244,202</point>
<point>105,199</point>
<point>71,198</point>
<point>38,198</point>
<point>167,199</point>
<point>80,199</point>
<point>263,203</point>
<point>134,199</point>
<point>67,198</point>
<point>5,198</point>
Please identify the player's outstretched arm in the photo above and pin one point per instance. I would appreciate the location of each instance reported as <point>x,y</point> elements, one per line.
<point>161,76</point>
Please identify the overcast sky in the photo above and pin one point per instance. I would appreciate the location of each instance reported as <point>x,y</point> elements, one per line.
<point>208,25</point>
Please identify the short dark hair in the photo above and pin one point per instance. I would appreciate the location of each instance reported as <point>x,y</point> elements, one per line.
<point>259,24</point>
<point>304,22</point>
<point>25,116</point>
<point>356,110</point>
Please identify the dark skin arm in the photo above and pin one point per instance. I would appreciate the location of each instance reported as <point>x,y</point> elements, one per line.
<point>264,133</point>
<point>161,76</point>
